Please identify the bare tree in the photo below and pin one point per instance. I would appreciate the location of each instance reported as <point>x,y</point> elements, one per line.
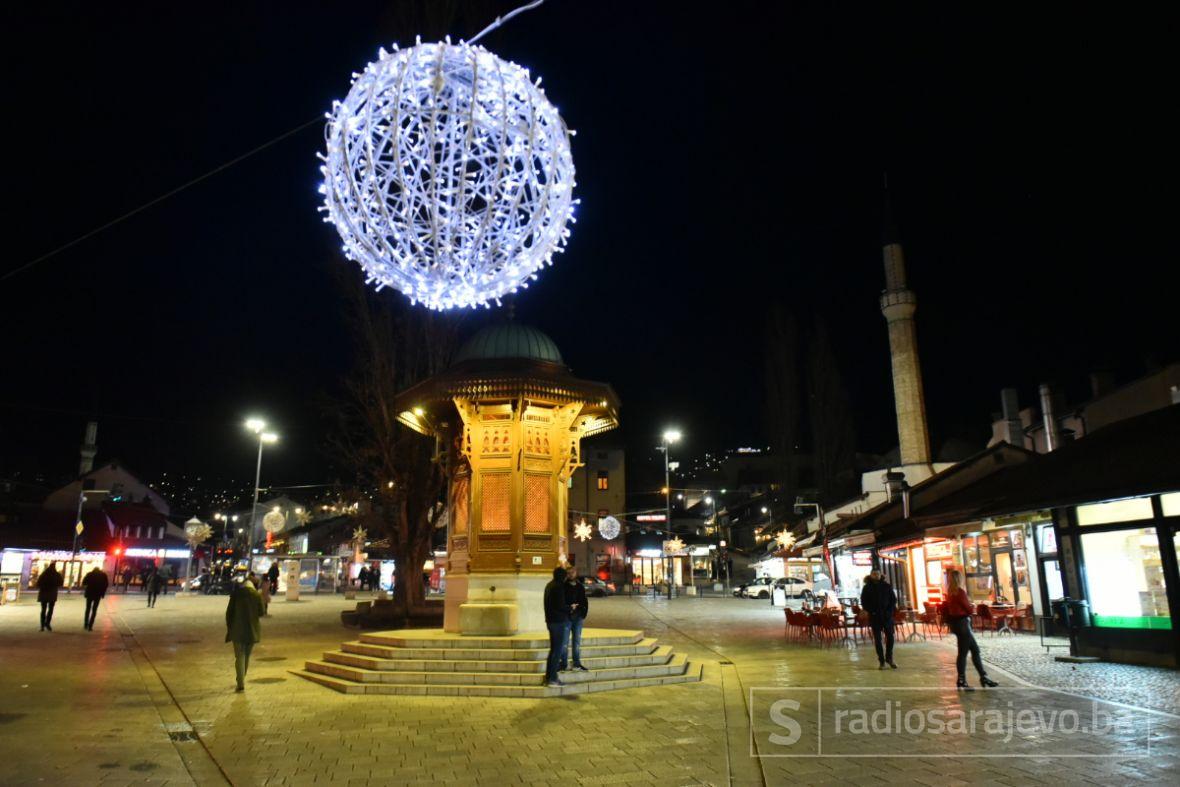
<point>832,433</point>
<point>783,404</point>
<point>396,346</point>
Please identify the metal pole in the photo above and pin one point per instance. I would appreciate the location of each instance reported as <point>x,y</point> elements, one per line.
<point>668,509</point>
<point>74,553</point>
<point>254,508</point>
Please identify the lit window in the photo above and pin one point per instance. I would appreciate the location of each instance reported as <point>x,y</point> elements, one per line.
<point>603,479</point>
<point>1170,503</point>
<point>1126,579</point>
<point>1128,510</point>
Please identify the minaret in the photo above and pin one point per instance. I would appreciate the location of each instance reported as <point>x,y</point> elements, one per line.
<point>89,449</point>
<point>898,304</point>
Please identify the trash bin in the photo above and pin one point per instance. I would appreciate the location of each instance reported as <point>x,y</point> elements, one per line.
<point>1061,611</point>
<point>1079,613</point>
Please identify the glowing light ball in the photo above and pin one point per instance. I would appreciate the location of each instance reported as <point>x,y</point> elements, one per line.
<point>448,175</point>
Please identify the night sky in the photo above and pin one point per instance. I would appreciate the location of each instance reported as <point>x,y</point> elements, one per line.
<point>727,160</point>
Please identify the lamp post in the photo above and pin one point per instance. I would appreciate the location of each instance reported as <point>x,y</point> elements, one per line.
<point>78,531</point>
<point>670,436</point>
<point>258,427</point>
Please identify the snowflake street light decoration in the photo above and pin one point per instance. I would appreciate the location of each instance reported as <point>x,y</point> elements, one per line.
<point>674,545</point>
<point>583,531</point>
<point>785,539</point>
<point>448,174</point>
<point>196,532</point>
<point>274,521</point>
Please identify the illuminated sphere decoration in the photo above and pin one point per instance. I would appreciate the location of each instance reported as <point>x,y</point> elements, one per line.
<point>448,175</point>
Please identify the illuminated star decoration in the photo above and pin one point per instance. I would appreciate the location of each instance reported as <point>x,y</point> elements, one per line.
<point>785,539</point>
<point>359,535</point>
<point>582,531</point>
<point>197,533</point>
<point>674,545</point>
<point>448,175</point>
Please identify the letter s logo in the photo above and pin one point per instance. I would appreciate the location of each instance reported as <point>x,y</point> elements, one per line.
<point>795,732</point>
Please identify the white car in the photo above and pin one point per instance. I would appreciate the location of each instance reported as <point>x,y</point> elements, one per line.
<point>795,587</point>
<point>759,588</point>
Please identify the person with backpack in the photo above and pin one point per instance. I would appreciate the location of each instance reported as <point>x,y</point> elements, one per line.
<point>94,586</point>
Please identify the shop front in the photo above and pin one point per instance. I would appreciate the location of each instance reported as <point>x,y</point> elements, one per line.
<point>1121,556</point>
<point>21,568</point>
<point>651,567</point>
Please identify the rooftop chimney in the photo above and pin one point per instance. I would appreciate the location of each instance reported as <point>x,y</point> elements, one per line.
<point>1049,415</point>
<point>1013,426</point>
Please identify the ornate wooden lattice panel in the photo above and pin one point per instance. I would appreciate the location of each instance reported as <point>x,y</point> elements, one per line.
<point>460,503</point>
<point>495,502</point>
<point>536,503</point>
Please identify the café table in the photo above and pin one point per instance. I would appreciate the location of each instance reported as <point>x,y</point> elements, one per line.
<point>912,616</point>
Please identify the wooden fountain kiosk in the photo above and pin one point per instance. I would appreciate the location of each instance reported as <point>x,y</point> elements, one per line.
<point>511,417</point>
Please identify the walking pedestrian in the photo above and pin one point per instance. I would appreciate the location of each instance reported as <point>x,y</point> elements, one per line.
<point>272,574</point>
<point>242,627</point>
<point>557,618</point>
<point>94,586</point>
<point>878,599</point>
<point>575,599</point>
<point>47,586</point>
<point>362,578</point>
<point>264,594</point>
<point>958,614</point>
<point>152,586</point>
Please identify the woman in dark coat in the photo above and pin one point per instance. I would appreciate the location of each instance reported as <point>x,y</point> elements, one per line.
<point>47,587</point>
<point>153,583</point>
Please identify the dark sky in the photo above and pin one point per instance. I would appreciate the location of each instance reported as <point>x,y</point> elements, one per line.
<point>727,160</point>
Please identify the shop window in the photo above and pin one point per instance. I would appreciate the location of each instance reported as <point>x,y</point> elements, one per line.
<point>1046,540</point>
<point>1130,510</point>
<point>1125,578</point>
<point>1170,503</point>
<point>1053,586</point>
<point>603,480</point>
<point>494,501</point>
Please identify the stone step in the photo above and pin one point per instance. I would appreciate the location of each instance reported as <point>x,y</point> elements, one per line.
<point>643,646</point>
<point>429,638</point>
<point>658,656</point>
<point>674,666</point>
<point>691,674</point>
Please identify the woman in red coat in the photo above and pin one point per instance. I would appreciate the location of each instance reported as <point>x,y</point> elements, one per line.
<point>958,614</point>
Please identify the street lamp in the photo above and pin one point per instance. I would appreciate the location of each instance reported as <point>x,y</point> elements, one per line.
<point>258,427</point>
<point>670,436</point>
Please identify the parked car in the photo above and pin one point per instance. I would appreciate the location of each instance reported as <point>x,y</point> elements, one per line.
<point>759,588</point>
<point>795,587</point>
<point>596,587</point>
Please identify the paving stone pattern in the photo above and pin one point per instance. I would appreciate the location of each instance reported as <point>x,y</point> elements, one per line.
<point>147,698</point>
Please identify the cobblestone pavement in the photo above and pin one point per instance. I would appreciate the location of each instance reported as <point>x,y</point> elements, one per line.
<point>147,698</point>
<point>1023,655</point>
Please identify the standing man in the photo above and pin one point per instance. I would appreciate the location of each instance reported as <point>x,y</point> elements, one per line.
<point>878,599</point>
<point>557,618</point>
<point>152,585</point>
<point>47,586</point>
<point>242,627</point>
<point>575,599</point>
<point>272,574</point>
<point>94,586</point>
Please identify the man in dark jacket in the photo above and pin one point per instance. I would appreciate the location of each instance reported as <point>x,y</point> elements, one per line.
<point>877,599</point>
<point>95,586</point>
<point>47,586</point>
<point>557,618</point>
<point>242,626</point>
<point>272,576</point>
<point>575,599</point>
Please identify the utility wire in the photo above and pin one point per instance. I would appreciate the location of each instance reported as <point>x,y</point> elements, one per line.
<point>500,20</point>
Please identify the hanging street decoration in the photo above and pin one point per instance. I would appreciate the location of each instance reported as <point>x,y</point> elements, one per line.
<point>608,527</point>
<point>196,532</point>
<point>583,531</point>
<point>674,545</point>
<point>360,535</point>
<point>274,521</point>
<point>785,539</point>
<point>448,174</point>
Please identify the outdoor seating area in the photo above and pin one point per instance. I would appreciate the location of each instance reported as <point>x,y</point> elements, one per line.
<point>849,624</point>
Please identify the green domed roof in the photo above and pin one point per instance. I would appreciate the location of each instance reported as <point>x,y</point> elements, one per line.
<point>509,340</point>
